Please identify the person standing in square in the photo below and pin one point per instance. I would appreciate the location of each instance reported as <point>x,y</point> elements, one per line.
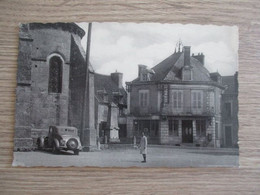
<point>143,147</point>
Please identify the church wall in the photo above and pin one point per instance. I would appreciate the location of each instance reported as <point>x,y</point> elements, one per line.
<point>22,136</point>
<point>77,86</point>
<point>48,108</point>
<point>47,41</point>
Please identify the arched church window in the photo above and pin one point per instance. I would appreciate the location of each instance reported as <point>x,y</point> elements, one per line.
<point>55,74</point>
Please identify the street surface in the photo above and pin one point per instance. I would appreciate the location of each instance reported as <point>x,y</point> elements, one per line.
<point>158,156</point>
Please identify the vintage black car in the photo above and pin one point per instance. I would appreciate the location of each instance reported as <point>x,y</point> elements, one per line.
<point>60,138</point>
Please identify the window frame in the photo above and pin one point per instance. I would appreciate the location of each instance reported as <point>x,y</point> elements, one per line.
<point>177,99</point>
<point>197,99</point>
<point>199,123</point>
<point>60,74</point>
<point>187,72</point>
<point>144,97</point>
<point>172,130</point>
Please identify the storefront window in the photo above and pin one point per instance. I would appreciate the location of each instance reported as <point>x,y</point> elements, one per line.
<point>201,128</point>
<point>173,127</point>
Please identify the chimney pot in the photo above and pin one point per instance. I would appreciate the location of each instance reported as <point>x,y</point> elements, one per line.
<point>199,57</point>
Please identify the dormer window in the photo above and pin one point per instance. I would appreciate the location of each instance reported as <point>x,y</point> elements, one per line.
<point>187,74</point>
<point>144,73</point>
<point>144,77</point>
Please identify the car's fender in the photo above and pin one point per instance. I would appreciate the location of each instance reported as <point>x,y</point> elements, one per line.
<point>56,142</point>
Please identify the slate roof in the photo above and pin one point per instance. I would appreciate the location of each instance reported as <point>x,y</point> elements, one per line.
<point>106,84</point>
<point>71,27</point>
<point>173,66</point>
<point>200,73</point>
<point>162,69</point>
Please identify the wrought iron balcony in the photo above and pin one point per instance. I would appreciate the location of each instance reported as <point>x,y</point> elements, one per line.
<point>188,110</point>
<point>170,110</point>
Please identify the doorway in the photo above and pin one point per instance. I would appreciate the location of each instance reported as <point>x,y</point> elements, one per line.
<point>187,131</point>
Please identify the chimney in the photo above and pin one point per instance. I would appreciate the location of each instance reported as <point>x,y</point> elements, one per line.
<point>141,69</point>
<point>200,57</point>
<point>117,77</point>
<point>186,55</point>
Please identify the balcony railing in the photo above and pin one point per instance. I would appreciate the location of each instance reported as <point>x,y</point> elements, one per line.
<point>169,110</point>
<point>188,110</point>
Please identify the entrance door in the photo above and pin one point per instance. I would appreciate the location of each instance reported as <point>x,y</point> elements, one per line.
<point>228,136</point>
<point>187,132</point>
<point>122,131</point>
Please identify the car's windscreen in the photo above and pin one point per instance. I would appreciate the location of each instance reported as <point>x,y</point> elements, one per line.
<point>67,132</point>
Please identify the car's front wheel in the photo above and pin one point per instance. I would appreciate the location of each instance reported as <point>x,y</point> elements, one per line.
<point>72,144</point>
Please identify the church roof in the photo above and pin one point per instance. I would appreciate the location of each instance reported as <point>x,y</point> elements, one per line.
<point>82,52</point>
<point>70,27</point>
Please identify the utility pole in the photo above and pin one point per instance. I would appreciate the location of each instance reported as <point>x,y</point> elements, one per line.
<point>85,114</point>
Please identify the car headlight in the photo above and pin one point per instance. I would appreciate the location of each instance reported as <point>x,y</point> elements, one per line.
<point>62,142</point>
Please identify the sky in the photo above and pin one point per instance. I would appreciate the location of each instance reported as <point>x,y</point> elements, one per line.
<point>122,47</point>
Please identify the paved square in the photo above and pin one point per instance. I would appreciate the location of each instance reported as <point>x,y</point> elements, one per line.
<point>158,156</point>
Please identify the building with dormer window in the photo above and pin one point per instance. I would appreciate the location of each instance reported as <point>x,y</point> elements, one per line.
<point>176,102</point>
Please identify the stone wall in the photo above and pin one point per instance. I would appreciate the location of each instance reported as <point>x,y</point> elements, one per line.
<point>164,132</point>
<point>22,136</point>
<point>153,105</point>
<point>49,108</point>
<point>77,88</point>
